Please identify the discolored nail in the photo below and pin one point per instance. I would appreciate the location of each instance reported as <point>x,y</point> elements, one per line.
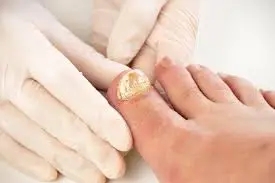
<point>132,84</point>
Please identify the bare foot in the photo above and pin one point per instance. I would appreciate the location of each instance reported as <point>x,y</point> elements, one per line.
<point>223,130</point>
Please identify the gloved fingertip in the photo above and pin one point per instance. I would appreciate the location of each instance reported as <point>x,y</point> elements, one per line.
<point>145,61</point>
<point>50,175</point>
<point>120,52</point>
<point>117,168</point>
<point>45,174</point>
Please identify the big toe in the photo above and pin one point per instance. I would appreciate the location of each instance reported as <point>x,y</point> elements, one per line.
<point>151,120</point>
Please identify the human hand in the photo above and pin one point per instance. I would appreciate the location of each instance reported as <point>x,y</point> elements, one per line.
<point>138,32</point>
<point>123,21</point>
<point>220,130</point>
<point>52,118</point>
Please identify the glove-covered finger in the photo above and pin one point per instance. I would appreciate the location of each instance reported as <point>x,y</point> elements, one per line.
<point>63,81</point>
<point>135,22</point>
<point>24,131</point>
<point>174,36</point>
<point>69,129</point>
<point>25,160</point>
<point>84,57</point>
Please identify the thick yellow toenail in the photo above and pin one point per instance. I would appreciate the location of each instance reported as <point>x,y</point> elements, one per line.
<point>132,84</point>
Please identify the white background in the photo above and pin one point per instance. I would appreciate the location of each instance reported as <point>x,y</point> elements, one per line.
<point>235,36</point>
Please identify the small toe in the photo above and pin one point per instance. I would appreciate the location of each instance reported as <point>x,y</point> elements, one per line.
<point>244,90</point>
<point>211,84</point>
<point>181,89</point>
<point>269,96</point>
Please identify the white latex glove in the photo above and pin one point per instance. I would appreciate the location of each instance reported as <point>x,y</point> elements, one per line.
<point>143,31</point>
<point>51,118</point>
<point>119,22</point>
<point>174,35</point>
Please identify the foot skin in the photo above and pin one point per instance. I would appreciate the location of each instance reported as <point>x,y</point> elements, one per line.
<point>221,129</point>
<point>269,97</point>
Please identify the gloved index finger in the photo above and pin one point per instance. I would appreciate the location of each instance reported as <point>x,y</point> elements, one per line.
<point>69,86</point>
<point>92,64</point>
<point>135,22</point>
<point>57,74</point>
<point>174,36</point>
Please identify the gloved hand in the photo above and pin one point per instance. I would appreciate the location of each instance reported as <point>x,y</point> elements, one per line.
<point>143,31</point>
<point>51,118</point>
<point>174,35</point>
